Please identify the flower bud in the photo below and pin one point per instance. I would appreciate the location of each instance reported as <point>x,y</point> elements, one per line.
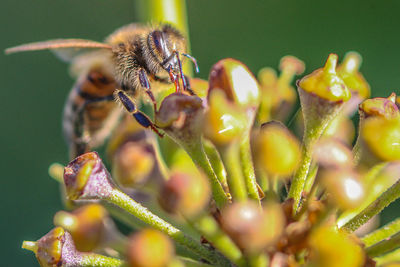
<point>87,178</point>
<point>223,122</point>
<point>251,228</point>
<point>349,72</point>
<point>354,80</point>
<point>85,224</point>
<point>199,86</point>
<point>331,248</point>
<point>49,248</point>
<point>236,81</point>
<point>344,187</point>
<point>380,106</point>
<point>379,140</point>
<point>341,128</point>
<point>278,95</point>
<point>149,248</point>
<point>322,94</point>
<point>277,149</point>
<point>133,163</point>
<point>332,153</point>
<point>185,194</point>
<point>181,116</point>
<point>57,248</point>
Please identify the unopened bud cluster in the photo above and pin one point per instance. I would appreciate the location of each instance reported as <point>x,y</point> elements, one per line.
<point>233,183</point>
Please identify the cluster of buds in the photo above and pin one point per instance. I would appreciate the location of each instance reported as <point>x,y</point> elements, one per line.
<point>231,184</point>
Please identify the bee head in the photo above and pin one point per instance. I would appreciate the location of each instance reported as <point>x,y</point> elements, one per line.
<point>163,44</point>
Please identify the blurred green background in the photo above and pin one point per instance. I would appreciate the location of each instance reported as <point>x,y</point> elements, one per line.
<point>34,85</point>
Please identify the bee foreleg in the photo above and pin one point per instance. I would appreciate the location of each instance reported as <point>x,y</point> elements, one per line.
<point>188,87</point>
<point>140,117</point>
<point>144,81</point>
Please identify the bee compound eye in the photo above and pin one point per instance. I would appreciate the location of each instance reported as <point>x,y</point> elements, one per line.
<point>160,44</point>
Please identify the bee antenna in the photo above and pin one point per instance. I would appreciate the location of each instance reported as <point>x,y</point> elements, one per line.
<point>193,60</point>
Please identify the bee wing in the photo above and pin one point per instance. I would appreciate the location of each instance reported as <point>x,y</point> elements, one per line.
<point>65,49</point>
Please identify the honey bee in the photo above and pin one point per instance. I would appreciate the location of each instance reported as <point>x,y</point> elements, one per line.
<point>133,57</point>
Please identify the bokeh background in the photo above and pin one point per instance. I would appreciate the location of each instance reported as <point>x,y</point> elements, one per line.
<point>257,32</point>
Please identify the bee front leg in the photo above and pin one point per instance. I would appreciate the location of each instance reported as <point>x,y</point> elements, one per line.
<point>144,81</point>
<point>140,117</point>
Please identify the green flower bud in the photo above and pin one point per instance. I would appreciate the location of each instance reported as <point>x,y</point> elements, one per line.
<point>149,248</point>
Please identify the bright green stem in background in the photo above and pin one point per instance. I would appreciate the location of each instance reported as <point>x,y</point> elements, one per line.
<point>123,201</point>
<point>390,257</point>
<point>248,169</point>
<point>196,151</point>
<point>166,11</point>
<point>382,233</point>
<point>374,208</point>
<point>384,246</point>
<point>210,229</point>
<point>97,260</point>
<point>230,158</point>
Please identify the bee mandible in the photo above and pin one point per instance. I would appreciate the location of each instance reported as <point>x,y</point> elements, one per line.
<point>133,57</point>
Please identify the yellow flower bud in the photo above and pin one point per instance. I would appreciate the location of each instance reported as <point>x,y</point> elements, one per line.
<point>331,248</point>
<point>86,225</point>
<point>325,83</point>
<point>354,80</point>
<point>344,187</point>
<point>149,248</point>
<point>277,149</point>
<point>223,122</point>
<point>236,80</point>
<point>382,137</point>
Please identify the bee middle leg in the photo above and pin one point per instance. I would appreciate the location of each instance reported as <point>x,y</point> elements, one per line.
<point>140,117</point>
<point>144,81</point>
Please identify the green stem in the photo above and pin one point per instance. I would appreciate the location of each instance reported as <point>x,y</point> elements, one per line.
<point>164,170</point>
<point>231,160</point>
<point>390,257</point>
<point>123,201</point>
<point>196,151</point>
<point>374,208</point>
<point>259,260</point>
<point>216,163</point>
<point>299,179</point>
<point>384,246</point>
<point>208,227</point>
<point>192,263</point>
<point>382,233</point>
<point>97,260</point>
<point>248,168</point>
